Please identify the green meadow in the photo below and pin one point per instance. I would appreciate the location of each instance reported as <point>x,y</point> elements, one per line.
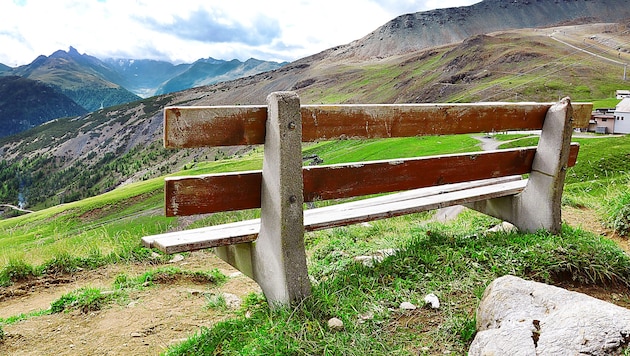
<point>454,260</point>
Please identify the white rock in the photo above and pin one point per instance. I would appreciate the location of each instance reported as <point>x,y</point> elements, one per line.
<point>377,257</point>
<point>518,317</point>
<point>433,300</point>
<point>335,324</point>
<point>503,227</point>
<point>367,261</point>
<point>407,306</point>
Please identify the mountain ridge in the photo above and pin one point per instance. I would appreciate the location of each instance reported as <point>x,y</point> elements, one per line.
<point>422,30</point>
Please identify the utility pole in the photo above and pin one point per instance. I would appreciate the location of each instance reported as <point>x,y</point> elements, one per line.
<point>625,67</point>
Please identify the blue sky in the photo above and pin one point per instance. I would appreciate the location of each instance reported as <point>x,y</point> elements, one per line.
<point>186,30</point>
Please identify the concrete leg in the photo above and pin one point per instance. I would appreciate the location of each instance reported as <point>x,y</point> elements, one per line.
<point>278,255</point>
<point>539,205</point>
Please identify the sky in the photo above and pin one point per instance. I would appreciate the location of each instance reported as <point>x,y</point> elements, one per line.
<point>182,31</point>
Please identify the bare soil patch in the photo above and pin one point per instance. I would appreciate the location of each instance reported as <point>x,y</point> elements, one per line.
<point>146,323</point>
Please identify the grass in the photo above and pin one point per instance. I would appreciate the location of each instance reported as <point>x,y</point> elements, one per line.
<point>454,261</point>
<point>617,211</point>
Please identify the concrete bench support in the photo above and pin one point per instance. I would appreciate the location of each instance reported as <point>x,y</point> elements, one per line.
<point>277,259</point>
<point>539,205</point>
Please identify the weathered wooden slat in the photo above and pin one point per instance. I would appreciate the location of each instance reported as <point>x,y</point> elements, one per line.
<point>201,126</point>
<point>346,214</point>
<point>204,194</point>
<point>205,237</point>
<point>190,195</point>
<point>380,207</point>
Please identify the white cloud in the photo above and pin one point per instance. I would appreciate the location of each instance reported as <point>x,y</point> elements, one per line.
<point>186,30</point>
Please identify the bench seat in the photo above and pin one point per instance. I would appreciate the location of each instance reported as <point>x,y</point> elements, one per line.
<point>380,207</point>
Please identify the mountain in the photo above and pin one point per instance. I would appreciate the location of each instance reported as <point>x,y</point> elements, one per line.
<point>210,71</point>
<point>144,76</point>
<point>82,78</point>
<point>74,158</point>
<point>26,103</point>
<point>4,68</point>
<point>422,30</point>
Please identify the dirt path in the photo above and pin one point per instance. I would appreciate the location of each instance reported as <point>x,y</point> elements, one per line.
<point>146,323</point>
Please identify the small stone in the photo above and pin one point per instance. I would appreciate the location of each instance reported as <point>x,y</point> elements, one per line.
<point>503,227</point>
<point>335,324</point>
<point>367,316</point>
<point>136,334</point>
<point>232,301</point>
<point>433,300</point>
<point>407,306</point>
<point>155,254</point>
<point>235,274</point>
<point>177,258</point>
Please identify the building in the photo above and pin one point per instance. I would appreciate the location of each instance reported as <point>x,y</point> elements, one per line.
<point>602,121</point>
<point>622,117</point>
<point>621,94</point>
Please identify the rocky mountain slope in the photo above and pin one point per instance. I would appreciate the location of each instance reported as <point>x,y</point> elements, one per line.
<point>428,29</point>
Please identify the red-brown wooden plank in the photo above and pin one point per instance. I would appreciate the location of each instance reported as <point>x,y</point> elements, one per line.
<point>200,126</point>
<point>191,195</point>
<point>187,127</point>
<point>241,190</point>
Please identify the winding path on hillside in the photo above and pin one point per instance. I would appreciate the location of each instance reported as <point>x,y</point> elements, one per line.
<point>15,208</point>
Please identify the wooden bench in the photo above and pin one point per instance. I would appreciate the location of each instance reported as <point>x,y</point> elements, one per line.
<point>271,249</point>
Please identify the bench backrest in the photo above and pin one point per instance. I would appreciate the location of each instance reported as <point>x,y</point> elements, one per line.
<point>190,127</point>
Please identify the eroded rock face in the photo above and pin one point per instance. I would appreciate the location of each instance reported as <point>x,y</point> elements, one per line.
<point>519,317</point>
